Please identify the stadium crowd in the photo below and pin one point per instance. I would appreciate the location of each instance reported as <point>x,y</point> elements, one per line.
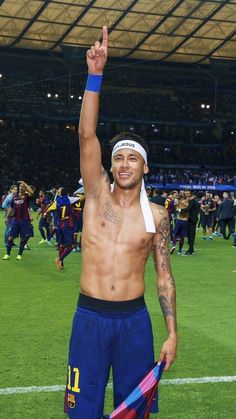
<point>193,177</point>
<point>45,154</point>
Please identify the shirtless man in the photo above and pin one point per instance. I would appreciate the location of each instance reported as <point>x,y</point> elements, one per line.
<point>111,327</point>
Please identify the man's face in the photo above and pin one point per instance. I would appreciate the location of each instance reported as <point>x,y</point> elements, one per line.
<point>21,188</point>
<point>208,195</point>
<point>128,168</point>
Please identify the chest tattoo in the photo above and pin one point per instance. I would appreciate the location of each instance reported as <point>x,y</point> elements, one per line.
<point>109,213</point>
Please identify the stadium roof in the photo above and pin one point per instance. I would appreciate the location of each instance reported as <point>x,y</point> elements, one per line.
<point>187,31</point>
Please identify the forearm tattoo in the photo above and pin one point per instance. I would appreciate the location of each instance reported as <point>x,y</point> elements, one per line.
<point>109,213</point>
<point>168,305</point>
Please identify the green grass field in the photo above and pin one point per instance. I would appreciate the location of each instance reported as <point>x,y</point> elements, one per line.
<point>37,306</point>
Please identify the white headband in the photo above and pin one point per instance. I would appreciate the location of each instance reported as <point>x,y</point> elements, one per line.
<point>131,145</point>
<point>145,207</point>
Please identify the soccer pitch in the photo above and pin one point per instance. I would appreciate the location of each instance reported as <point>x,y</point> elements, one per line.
<point>37,307</point>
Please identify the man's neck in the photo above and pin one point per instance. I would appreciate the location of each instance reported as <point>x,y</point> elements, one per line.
<point>127,197</point>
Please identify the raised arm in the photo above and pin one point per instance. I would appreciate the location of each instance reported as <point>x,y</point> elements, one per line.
<point>165,287</point>
<point>90,150</point>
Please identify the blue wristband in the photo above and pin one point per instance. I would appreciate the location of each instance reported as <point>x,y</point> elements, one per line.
<point>94,82</point>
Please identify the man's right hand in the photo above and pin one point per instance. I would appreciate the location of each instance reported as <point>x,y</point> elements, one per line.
<point>97,54</point>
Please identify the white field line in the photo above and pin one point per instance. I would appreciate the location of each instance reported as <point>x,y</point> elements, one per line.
<point>176,381</point>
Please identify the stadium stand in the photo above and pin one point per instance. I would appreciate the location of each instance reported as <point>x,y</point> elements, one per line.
<point>190,127</point>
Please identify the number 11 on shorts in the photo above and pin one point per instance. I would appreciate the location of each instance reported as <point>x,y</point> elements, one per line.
<point>74,388</point>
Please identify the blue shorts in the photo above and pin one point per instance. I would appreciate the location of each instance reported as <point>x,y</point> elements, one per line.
<point>78,222</point>
<point>181,229</point>
<point>106,334</point>
<point>65,235</point>
<point>207,221</point>
<point>21,228</point>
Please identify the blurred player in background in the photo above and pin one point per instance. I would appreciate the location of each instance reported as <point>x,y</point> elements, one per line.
<point>43,202</point>
<point>170,206</point>
<point>226,216</point>
<point>180,230</point>
<point>65,226</point>
<point>207,208</point>
<point>6,205</point>
<point>192,210</point>
<point>78,208</point>
<point>20,226</point>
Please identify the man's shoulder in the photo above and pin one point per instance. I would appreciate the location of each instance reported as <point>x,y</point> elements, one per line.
<point>159,208</point>
<point>159,213</point>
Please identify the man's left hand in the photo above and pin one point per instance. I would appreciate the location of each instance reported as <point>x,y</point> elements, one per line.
<point>168,351</point>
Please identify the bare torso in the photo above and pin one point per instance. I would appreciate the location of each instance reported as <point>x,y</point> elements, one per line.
<point>183,203</point>
<point>115,248</point>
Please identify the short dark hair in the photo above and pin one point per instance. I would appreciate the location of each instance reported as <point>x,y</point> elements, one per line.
<point>129,136</point>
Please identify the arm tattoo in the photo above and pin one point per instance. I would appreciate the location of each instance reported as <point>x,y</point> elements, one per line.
<point>161,245</point>
<point>168,309</point>
<point>167,299</point>
<point>166,283</point>
<point>109,213</point>
<point>164,227</point>
<point>161,210</point>
<point>170,284</point>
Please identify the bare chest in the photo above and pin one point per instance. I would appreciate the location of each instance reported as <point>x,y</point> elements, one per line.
<point>124,226</point>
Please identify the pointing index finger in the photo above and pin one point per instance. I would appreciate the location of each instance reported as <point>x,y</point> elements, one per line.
<point>105,37</point>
